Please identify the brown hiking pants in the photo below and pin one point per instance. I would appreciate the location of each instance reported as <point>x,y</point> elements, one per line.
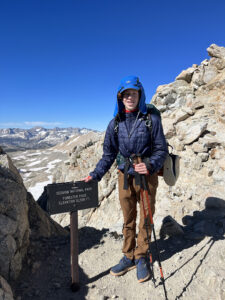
<point>128,201</point>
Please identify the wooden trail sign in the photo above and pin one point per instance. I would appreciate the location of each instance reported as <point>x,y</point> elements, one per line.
<point>71,197</point>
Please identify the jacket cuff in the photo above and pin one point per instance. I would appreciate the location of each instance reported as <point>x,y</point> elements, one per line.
<point>146,160</point>
<point>155,167</point>
<point>94,176</point>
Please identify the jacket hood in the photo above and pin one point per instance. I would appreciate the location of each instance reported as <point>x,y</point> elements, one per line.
<point>130,82</point>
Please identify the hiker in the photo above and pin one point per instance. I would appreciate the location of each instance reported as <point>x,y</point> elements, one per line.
<point>128,136</point>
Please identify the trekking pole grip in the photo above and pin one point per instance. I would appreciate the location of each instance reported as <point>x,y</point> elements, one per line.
<point>139,160</point>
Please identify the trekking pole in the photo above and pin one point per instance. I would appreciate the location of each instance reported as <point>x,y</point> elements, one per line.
<point>144,181</point>
<point>148,239</point>
<point>149,252</point>
<point>147,231</point>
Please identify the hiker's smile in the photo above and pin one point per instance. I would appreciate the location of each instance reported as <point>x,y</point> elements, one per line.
<point>130,99</point>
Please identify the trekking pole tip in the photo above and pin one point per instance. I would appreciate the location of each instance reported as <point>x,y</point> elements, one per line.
<point>75,287</point>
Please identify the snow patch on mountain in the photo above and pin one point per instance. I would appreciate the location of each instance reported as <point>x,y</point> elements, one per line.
<point>38,189</point>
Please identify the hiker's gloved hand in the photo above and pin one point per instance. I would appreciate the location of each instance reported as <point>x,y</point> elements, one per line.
<point>141,168</point>
<point>87,179</point>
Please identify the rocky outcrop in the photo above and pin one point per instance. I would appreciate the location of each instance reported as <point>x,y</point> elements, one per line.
<point>41,225</point>
<point>5,290</point>
<point>194,126</point>
<point>14,224</point>
<point>81,142</point>
<point>20,220</point>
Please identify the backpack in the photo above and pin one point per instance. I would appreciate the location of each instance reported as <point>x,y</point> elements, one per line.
<point>170,169</point>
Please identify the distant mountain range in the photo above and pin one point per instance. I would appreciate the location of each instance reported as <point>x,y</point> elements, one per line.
<point>14,139</point>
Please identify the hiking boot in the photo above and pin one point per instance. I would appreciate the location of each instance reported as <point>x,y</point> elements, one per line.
<point>143,273</point>
<point>123,266</point>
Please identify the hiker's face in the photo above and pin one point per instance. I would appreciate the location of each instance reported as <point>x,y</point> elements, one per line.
<point>130,99</point>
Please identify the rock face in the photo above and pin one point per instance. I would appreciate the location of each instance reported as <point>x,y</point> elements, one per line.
<point>20,220</point>
<point>5,290</point>
<point>14,224</point>
<point>197,134</point>
<point>41,225</point>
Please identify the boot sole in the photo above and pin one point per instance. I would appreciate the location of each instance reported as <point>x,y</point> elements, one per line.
<point>144,279</point>
<point>122,272</point>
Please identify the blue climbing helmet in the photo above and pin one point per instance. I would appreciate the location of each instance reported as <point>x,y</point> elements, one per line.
<point>130,82</point>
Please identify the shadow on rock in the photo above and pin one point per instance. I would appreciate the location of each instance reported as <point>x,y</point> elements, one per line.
<point>47,272</point>
<point>207,223</point>
<point>90,237</point>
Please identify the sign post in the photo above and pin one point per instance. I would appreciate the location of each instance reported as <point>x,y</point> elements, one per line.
<point>71,197</point>
<point>74,249</point>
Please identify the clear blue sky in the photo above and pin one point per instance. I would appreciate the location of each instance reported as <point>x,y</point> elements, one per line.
<point>61,61</point>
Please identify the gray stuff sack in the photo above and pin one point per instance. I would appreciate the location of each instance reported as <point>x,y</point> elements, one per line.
<point>171,168</point>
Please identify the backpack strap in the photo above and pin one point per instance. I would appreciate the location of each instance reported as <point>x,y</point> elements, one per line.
<point>148,122</point>
<point>147,118</point>
<point>151,109</point>
<point>116,124</point>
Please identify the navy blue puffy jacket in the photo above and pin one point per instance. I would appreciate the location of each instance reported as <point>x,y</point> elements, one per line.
<point>155,150</point>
